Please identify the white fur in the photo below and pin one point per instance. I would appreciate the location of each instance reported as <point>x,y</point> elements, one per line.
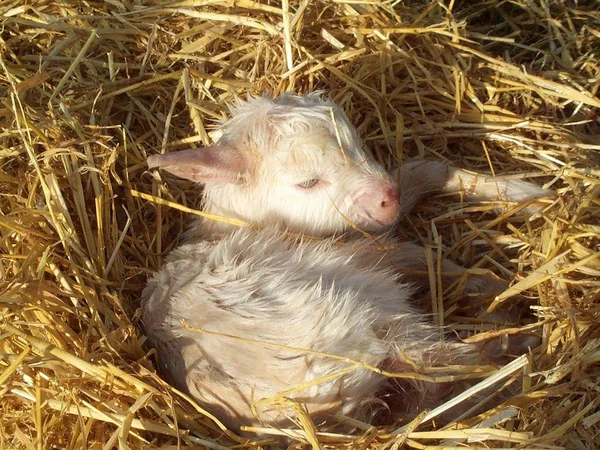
<point>319,296</point>
<point>290,140</point>
<point>268,309</point>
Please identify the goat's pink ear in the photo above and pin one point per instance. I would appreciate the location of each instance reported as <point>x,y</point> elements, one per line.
<point>214,164</point>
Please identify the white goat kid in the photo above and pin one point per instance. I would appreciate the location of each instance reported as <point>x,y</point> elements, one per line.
<point>254,321</point>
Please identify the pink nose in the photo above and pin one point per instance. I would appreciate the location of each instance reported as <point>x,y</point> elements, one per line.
<point>382,204</point>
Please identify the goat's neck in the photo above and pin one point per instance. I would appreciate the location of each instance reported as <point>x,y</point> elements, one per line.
<point>211,228</point>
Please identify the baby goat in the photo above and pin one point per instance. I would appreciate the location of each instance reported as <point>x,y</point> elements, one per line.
<point>257,323</point>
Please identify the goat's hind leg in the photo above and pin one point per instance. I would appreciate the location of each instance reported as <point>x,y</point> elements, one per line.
<point>450,367</point>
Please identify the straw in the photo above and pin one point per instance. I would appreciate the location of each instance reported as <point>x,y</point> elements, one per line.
<point>88,90</point>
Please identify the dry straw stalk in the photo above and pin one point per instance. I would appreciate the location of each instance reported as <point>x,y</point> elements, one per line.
<point>90,89</point>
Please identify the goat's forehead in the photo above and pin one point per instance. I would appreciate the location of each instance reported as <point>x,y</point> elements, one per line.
<point>264,119</point>
<point>318,149</point>
<point>289,121</point>
<point>299,132</point>
<point>329,142</point>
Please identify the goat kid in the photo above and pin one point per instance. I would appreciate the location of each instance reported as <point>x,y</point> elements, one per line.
<point>255,321</point>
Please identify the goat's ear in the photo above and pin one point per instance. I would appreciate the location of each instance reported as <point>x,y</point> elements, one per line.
<point>209,164</point>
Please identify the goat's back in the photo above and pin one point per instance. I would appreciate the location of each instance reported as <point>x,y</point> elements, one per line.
<point>265,313</point>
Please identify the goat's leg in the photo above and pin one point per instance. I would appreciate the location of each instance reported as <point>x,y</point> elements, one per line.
<point>413,261</point>
<point>419,179</point>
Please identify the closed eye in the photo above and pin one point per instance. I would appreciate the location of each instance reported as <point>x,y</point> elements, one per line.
<point>308,183</point>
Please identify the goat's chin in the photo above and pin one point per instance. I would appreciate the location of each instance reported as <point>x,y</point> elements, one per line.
<point>372,226</point>
<point>362,224</point>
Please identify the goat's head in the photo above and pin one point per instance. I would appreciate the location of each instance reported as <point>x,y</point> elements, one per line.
<point>294,161</point>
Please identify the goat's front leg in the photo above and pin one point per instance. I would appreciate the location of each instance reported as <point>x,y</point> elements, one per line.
<point>413,262</point>
<point>419,179</point>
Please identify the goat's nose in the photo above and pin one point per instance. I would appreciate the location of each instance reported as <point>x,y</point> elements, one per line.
<point>390,200</point>
<point>388,204</point>
<point>382,204</point>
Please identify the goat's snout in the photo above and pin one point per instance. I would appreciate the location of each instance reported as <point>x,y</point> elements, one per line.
<point>381,203</point>
<point>390,199</point>
<point>387,205</point>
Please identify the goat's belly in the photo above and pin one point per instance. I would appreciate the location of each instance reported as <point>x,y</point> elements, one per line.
<point>254,324</point>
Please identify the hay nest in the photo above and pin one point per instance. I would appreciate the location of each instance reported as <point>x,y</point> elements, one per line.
<point>90,89</point>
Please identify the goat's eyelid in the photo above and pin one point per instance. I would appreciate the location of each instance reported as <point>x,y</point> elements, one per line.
<point>309,183</point>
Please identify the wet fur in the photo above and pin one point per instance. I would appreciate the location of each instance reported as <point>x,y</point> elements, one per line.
<point>265,309</point>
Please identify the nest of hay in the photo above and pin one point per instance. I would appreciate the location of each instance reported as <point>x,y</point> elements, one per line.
<point>90,89</point>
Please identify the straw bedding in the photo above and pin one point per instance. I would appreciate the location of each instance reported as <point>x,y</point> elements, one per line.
<point>90,89</point>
